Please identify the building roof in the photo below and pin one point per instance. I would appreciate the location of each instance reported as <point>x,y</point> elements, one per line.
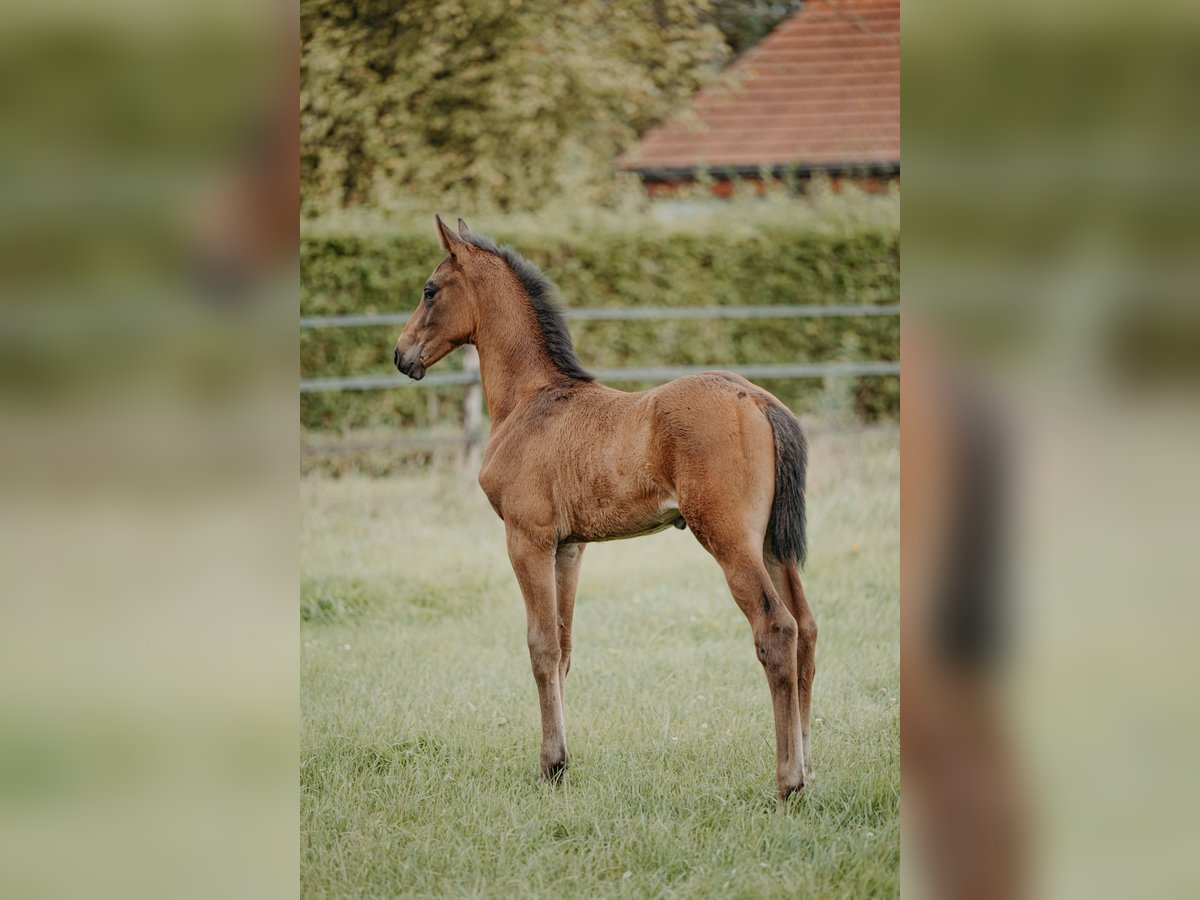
<point>822,91</point>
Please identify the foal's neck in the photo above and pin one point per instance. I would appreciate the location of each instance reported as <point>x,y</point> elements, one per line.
<point>513,362</point>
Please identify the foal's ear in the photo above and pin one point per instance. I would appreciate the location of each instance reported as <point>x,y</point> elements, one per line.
<point>462,228</point>
<point>451,242</point>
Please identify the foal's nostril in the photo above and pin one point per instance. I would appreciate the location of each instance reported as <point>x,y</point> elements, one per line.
<point>396,357</point>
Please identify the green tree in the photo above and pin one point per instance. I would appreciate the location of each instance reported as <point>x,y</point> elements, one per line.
<point>493,103</point>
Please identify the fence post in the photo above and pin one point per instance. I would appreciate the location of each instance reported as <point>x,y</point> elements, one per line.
<point>472,410</point>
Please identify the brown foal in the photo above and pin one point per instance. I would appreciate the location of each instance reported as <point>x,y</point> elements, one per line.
<point>570,461</point>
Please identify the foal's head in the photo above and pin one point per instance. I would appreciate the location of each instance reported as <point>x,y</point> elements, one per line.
<point>448,313</point>
<point>479,285</point>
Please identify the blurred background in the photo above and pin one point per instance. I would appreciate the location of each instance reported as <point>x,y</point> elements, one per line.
<point>1050,421</point>
<point>148,221</point>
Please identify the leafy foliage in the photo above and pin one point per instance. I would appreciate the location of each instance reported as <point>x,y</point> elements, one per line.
<point>491,103</point>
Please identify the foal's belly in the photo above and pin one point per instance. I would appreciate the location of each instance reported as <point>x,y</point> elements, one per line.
<point>606,522</point>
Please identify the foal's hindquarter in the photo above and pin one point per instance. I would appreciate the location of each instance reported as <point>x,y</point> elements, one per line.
<point>579,462</point>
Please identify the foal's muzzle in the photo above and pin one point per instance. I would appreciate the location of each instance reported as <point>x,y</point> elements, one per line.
<point>414,369</point>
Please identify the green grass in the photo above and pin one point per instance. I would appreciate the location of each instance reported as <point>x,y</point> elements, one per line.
<point>420,725</point>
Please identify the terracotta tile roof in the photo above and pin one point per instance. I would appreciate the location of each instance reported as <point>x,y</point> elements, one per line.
<point>822,90</point>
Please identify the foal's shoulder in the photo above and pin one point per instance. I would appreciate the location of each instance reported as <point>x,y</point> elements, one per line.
<point>556,399</point>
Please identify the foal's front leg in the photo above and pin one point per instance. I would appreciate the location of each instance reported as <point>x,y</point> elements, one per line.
<point>533,558</point>
<point>566,579</point>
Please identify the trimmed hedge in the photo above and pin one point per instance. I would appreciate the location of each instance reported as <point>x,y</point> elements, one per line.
<point>344,273</point>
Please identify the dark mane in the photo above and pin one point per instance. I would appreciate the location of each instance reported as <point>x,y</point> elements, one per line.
<point>541,291</point>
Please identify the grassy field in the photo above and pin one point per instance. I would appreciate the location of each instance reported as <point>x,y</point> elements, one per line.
<point>420,723</point>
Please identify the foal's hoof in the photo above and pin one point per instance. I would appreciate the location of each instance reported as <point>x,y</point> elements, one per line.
<point>786,793</point>
<point>553,773</point>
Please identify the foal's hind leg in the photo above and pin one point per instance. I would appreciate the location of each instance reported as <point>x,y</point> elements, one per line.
<point>567,561</point>
<point>787,582</point>
<point>775,636</point>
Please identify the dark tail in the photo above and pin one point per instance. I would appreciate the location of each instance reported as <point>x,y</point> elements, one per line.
<point>785,531</point>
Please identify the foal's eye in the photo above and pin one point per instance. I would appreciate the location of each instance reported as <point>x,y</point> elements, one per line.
<point>429,292</point>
